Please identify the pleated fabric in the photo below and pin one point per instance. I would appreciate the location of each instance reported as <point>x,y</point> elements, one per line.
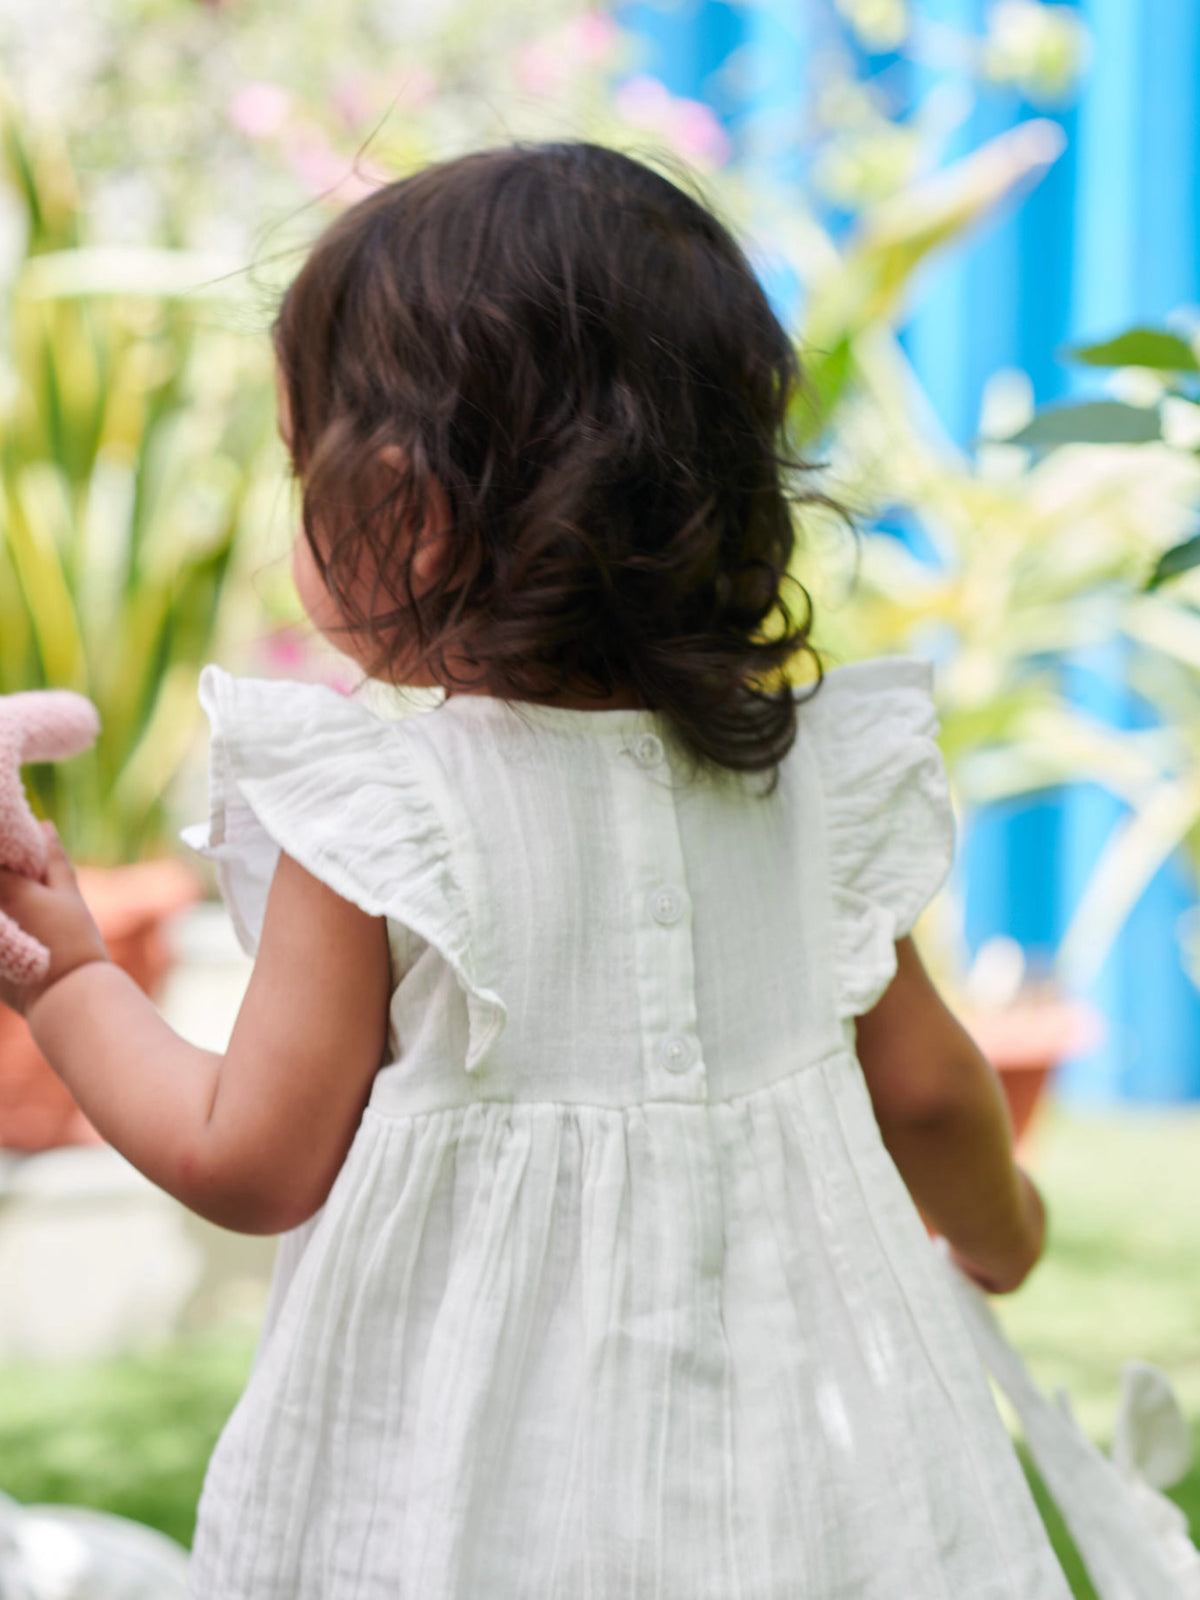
<point>618,1293</point>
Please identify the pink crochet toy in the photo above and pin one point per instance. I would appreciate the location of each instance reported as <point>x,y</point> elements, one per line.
<point>44,725</point>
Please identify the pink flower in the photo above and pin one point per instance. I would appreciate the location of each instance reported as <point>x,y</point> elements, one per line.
<point>285,649</point>
<point>590,37</point>
<point>258,109</point>
<point>694,130</point>
<point>542,66</point>
<point>362,179</point>
<point>414,87</point>
<point>644,101</point>
<point>315,164</point>
<point>290,652</point>
<point>690,127</point>
<point>324,172</point>
<point>352,100</point>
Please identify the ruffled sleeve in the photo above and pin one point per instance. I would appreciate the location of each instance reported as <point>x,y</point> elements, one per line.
<point>890,825</point>
<point>354,799</point>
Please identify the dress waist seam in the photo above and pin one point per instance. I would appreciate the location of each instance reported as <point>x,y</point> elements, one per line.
<point>840,1051</point>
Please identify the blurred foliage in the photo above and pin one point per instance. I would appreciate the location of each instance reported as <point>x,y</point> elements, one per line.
<point>130,1434</point>
<point>1001,566</point>
<point>130,434</point>
<point>215,126</point>
<point>142,482</point>
<point>1068,531</point>
<point>202,148</point>
<point>1055,534</point>
<point>1158,624</point>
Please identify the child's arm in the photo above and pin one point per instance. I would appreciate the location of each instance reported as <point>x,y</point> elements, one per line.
<point>252,1139</point>
<point>945,1122</point>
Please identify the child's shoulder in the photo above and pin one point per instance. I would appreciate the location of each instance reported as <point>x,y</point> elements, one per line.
<point>268,726</point>
<point>886,691</point>
<point>275,704</point>
<point>304,768</point>
<point>351,795</point>
<point>871,730</point>
<point>872,727</point>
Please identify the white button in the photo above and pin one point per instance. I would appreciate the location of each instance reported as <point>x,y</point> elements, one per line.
<point>676,1052</point>
<point>647,750</point>
<point>666,905</point>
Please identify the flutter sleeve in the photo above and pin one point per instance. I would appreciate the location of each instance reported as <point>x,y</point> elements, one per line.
<point>888,817</point>
<point>299,768</point>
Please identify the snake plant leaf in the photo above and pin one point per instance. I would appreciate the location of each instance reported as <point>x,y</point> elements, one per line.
<point>163,746</point>
<point>105,543</point>
<point>1093,422</point>
<point>195,515</point>
<point>127,676</point>
<point>44,180</point>
<point>38,528</point>
<point>16,633</point>
<point>1179,558</point>
<point>57,347</point>
<point>1139,347</point>
<point>131,444</point>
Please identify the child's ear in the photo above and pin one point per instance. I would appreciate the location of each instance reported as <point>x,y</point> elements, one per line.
<point>431,551</point>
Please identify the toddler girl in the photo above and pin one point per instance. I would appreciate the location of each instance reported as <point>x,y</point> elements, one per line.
<point>586,1067</point>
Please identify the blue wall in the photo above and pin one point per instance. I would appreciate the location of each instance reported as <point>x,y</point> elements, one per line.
<point>1106,240</point>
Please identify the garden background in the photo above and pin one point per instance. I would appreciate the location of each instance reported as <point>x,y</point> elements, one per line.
<point>958,208</point>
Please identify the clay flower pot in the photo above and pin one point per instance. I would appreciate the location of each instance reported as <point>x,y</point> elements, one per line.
<point>130,905</point>
<point>1025,1041</point>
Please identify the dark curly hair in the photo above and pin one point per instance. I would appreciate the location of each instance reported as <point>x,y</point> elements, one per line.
<point>579,366</point>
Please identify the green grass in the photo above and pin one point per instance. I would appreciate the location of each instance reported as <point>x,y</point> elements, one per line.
<point>1121,1278</point>
<point>131,1436</point>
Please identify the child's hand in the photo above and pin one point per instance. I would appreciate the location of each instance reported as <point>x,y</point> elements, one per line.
<point>1012,1274</point>
<point>54,912</point>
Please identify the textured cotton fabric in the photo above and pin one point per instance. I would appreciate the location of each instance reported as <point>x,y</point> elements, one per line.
<point>618,1295</point>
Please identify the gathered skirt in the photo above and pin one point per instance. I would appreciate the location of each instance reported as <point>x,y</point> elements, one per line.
<point>668,1351</point>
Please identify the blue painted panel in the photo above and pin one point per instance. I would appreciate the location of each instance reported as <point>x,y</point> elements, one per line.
<point>686,42</point>
<point>1010,855</point>
<point>1152,1051</point>
<point>1045,229</point>
<point>1104,283</point>
<point>1168,172</point>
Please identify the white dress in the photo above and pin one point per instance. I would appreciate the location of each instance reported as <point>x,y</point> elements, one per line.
<point>618,1295</point>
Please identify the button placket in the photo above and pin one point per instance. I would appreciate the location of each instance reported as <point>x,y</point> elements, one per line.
<point>661,909</point>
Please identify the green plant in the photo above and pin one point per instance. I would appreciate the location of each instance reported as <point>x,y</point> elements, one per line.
<point>287,119</point>
<point>1037,545</point>
<point>1153,422</point>
<point>133,440</point>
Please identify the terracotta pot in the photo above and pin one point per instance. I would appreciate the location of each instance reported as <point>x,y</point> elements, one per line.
<point>130,905</point>
<point>1026,1041</point>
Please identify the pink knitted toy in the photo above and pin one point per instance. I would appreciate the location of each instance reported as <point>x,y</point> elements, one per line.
<point>44,725</point>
